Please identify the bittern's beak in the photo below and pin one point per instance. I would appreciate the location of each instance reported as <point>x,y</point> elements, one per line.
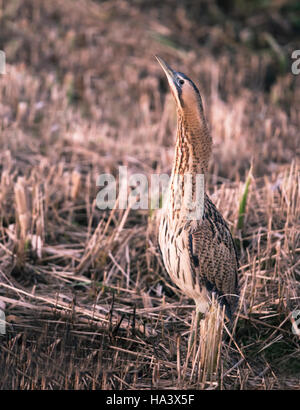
<point>171,74</point>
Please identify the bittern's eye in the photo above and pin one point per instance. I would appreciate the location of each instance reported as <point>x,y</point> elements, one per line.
<point>181,81</point>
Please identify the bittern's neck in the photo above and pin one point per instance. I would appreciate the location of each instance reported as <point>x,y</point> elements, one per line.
<point>193,144</point>
<point>192,152</point>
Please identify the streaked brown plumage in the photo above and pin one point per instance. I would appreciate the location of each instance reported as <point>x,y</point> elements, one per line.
<point>198,253</point>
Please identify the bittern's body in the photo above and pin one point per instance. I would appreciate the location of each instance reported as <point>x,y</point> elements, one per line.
<point>197,249</point>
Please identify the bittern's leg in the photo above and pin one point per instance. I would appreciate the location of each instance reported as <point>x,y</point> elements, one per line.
<point>196,327</point>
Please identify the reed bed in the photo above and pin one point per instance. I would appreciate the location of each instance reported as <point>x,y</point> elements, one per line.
<point>87,302</point>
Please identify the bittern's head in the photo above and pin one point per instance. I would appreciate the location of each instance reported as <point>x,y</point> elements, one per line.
<point>185,92</point>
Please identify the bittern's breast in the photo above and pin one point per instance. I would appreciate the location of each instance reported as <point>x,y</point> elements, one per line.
<point>173,242</point>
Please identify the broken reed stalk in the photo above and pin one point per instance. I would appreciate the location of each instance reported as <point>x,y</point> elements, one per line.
<point>22,207</point>
<point>204,347</point>
<point>75,185</point>
<point>23,217</point>
<point>210,341</point>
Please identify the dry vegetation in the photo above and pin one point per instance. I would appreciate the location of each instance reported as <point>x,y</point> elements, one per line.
<point>87,301</point>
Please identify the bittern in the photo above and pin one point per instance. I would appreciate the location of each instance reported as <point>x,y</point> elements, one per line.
<point>198,252</point>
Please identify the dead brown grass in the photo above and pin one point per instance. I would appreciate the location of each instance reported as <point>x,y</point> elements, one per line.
<point>88,304</point>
